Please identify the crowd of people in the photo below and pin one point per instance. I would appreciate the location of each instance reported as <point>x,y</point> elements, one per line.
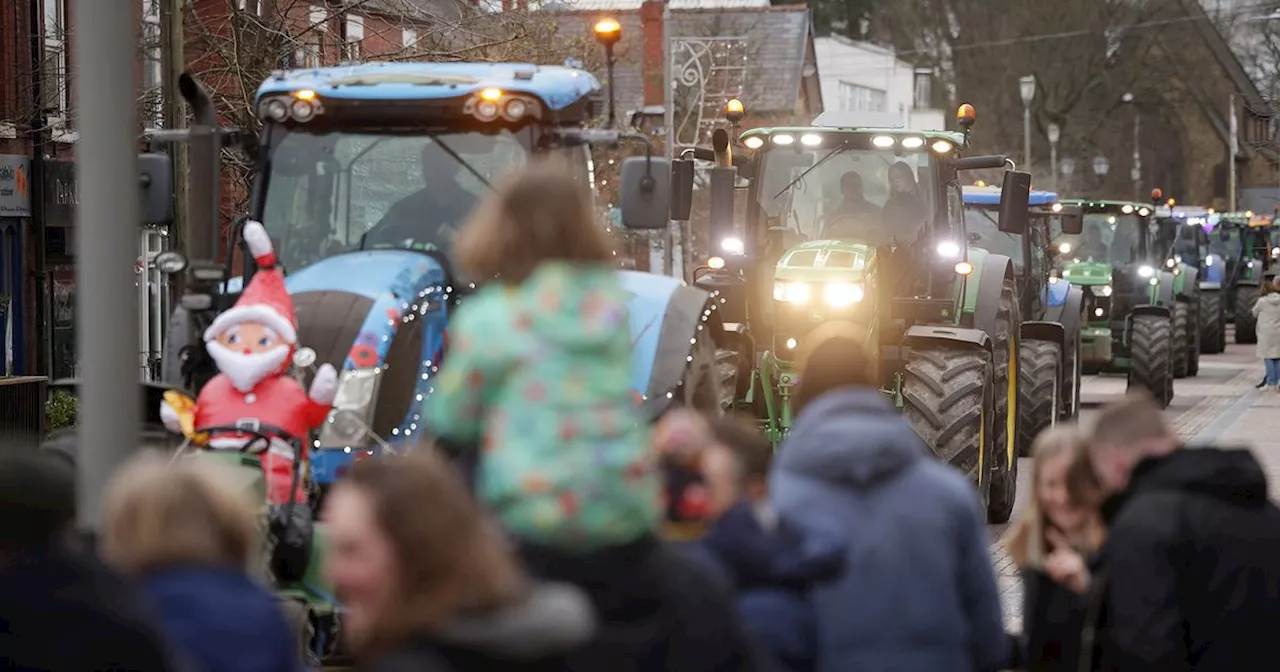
<point>530,534</point>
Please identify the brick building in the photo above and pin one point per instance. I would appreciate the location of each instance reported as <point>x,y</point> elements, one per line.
<point>230,44</point>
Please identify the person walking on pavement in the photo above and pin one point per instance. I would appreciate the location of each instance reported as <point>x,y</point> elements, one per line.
<point>62,609</point>
<point>918,591</point>
<point>427,584</point>
<point>189,534</point>
<point>1051,544</point>
<point>1267,312</point>
<point>774,563</point>
<point>1188,578</point>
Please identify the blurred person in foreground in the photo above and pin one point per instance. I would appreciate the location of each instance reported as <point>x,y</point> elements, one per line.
<point>918,590</point>
<point>1051,544</point>
<point>61,609</point>
<point>427,583</point>
<point>772,562</point>
<point>1189,577</point>
<point>538,374</point>
<point>190,536</point>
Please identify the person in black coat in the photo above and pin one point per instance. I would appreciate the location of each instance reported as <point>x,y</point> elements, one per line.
<point>63,609</point>
<point>1051,544</point>
<point>1189,577</point>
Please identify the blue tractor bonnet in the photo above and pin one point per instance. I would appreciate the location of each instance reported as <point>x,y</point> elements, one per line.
<point>557,86</point>
<point>975,195</point>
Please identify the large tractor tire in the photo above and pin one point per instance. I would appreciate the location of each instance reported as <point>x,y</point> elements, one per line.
<point>1039,390</point>
<point>949,398</point>
<point>1193,336</point>
<point>1072,377</point>
<point>1246,323</point>
<point>1150,367</point>
<point>1005,351</point>
<point>1180,346</point>
<point>1213,323</point>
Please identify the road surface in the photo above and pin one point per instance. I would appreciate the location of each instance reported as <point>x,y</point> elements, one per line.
<point>1220,405</point>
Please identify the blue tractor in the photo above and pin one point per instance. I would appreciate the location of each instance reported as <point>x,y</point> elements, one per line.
<point>364,173</point>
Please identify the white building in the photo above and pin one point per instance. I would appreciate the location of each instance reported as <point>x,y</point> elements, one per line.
<point>862,77</point>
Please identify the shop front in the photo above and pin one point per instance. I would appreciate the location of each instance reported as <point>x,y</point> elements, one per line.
<point>59,243</point>
<point>15,217</point>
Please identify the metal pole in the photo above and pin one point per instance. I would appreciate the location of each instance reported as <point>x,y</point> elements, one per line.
<point>107,221</point>
<point>1231,158</point>
<point>669,103</point>
<point>1053,159</point>
<point>173,61</point>
<point>1137,155</point>
<point>1026,136</point>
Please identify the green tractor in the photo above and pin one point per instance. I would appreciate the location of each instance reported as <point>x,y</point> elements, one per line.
<point>857,220</point>
<point>1242,255</point>
<point>1052,311</point>
<point>1193,247</point>
<point>1143,302</point>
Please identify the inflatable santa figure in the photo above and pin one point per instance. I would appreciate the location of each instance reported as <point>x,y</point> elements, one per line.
<point>253,345</point>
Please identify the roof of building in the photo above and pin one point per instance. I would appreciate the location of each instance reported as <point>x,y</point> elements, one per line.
<point>557,86</point>
<point>991,196</point>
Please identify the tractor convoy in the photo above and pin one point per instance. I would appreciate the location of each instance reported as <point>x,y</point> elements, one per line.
<point>980,307</point>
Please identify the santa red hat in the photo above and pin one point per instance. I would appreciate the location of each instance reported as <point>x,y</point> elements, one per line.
<point>265,300</point>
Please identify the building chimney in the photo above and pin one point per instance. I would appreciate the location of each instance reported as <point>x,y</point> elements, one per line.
<point>652,33</point>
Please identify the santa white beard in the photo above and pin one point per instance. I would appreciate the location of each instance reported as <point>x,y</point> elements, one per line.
<point>246,371</point>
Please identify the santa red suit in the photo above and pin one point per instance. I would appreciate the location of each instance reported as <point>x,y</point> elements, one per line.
<point>253,389</point>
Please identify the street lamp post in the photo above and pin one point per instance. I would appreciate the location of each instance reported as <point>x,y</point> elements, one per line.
<point>1055,133</point>
<point>1027,87</point>
<point>1068,167</point>
<point>1100,168</point>
<point>1136,173</point>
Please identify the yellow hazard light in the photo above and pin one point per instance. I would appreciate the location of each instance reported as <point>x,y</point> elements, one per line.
<point>966,115</point>
<point>715,263</point>
<point>608,31</point>
<point>304,94</point>
<point>964,268</point>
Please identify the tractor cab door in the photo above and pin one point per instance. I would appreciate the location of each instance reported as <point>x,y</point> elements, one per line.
<point>1036,253</point>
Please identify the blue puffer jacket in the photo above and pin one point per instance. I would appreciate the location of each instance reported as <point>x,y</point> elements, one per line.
<point>918,592</point>
<point>219,619</point>
<point>773,571</point>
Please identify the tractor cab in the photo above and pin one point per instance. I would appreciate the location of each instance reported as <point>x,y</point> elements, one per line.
<point>1242,247</point>
<point>860,221</point>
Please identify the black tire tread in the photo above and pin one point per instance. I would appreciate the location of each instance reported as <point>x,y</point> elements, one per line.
<point>1149,364</point>
<point>943,394</point>
<point>1246,323</point>
<point>1003,473</point>
<point>1212,323</point>
<point>1040,378</point>
<point>1180,344</point>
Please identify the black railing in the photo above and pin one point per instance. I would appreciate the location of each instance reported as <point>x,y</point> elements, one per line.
<point>22,412</point>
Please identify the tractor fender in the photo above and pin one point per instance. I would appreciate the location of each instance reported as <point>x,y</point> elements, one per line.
<point>665,314</point>
<point>1164,291</point>
<point>1148,309</point>
<point>1192,283</point>
<point>1067,313</point>
<point>921,334</point>
<point>1215,272</point>
<point>1209,286</point>
<point>1247,282</point>
<point>1039,330</point>
<point>995,268</point>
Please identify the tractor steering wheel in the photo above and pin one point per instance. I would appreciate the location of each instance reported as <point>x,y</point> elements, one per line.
<point>259,434</point>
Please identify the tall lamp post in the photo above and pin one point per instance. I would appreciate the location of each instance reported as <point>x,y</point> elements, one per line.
<point>1027,87</point>
<point>1068,167</point>
<point>1100,168</point>
<point>1055,133</point>
<point>608,32</point>
<point>1136,173</point>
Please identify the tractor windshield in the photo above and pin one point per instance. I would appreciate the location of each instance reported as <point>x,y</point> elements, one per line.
<point>340,192</point>
<point>868,196</point>
<point>1115,239</point>
<point>984,231</point>
<point>1226,242</point>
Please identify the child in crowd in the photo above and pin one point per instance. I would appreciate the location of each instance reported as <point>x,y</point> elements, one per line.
<point>538,372</point>
<point>1267,310</point>
<point>771,561</point>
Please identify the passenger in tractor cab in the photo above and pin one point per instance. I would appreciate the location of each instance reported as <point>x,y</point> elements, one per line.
<point>905,208</point>
<point>1091,246</point>
<point>434,213</point>
<point>856,216</point>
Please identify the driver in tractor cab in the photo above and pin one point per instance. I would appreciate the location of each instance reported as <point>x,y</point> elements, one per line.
<point>443,203</point>
<point>1091,246</point>
<point>905,208</point>
<point>856,217</point>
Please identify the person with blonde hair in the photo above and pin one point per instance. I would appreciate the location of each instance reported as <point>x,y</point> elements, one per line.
<point>1266,310</point>
<point>1051,544</point>
<point>538,372</point>
<point>427,583</point>
<point>190,534</point>
<point>1188,577</point>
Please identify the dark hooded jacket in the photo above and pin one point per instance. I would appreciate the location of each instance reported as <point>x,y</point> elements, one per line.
<point>1190,573</point>
<point>773,567</point>
<point>658,609</point>
<point>918,591</point>
<point>534,636</point>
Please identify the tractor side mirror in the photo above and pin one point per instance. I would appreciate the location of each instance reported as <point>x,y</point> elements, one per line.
<point>646,193</point>
<point>156,176</point>
<point>681,189</point>
<point>1014,197</point>
<point>1073,224</point>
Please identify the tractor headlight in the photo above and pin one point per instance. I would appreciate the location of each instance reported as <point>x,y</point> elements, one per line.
<point>1146,271</point>
<point>948,249</point>
<point>733,246</point>
<point>1171,263</point>
<point>1208,260</point>
<point>1275,252</point>
<point>1153,281</point>
<point>1105,290</point>
<point>792,292</point>
<point>348,424</point>
<point>841,294</point>
<point>1064,248</point>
